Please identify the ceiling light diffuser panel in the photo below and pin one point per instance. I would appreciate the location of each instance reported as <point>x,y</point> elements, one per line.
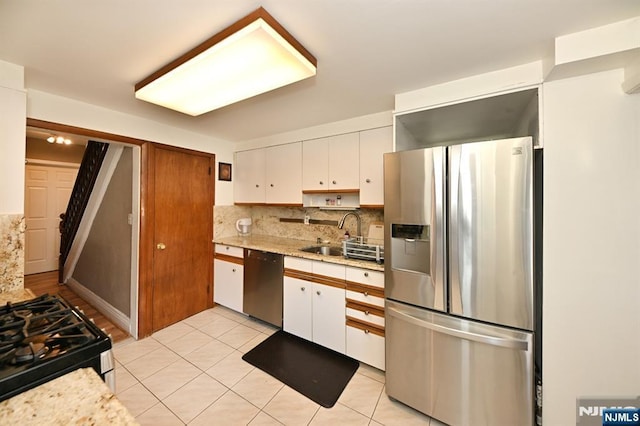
<point>253,56</point>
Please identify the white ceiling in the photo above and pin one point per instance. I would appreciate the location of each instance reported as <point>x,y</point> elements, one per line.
<point>367,50</point>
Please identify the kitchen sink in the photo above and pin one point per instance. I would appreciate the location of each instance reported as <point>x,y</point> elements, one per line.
<point>323,250</point>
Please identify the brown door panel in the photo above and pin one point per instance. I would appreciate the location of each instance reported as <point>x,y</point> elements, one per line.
<point>183,223</point>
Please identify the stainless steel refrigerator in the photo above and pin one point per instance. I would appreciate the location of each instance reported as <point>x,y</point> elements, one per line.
<point>459,281</point>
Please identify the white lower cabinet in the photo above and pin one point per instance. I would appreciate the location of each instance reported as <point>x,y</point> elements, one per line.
<point>341,308</point>
<point>365,316</point>
<point>329,317</point>
<point>313,310</point>
<point>365,344</point>
<point>297,305</point>
<point>228,281</point>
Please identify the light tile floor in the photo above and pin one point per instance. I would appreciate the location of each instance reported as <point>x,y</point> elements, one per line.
<point>193,373</point>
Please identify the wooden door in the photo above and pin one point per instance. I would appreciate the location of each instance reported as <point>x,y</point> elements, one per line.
<point>183,232</point>
<point>47,192</point>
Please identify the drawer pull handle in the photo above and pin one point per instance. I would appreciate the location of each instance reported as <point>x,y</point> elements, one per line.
<point>234,269</point>
<point>321,183</point>
<point>366,293</point>
<point>334,182</point>
<point>368,180</point>
<point>227,248</point>
<point>272,185</point>
<point>366,331</point>
<point>318,292</point>
<point>366,274</point>
<point>366,312</point>
<point>302,288</point>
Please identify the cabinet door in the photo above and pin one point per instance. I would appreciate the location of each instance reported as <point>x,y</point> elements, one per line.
<point>228,284</point>
<point>344,160</point>
<point>329,317</point>
<point>315,164</point>
<point>373,144</point>
<point>249,176</point>
<point>284,174</point>
<point>297,307</point>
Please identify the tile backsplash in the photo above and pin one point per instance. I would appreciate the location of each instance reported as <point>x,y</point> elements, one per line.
<point>12,228</point>
<point>266,221</point>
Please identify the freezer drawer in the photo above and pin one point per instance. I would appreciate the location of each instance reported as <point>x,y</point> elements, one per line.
<point>458,371</point>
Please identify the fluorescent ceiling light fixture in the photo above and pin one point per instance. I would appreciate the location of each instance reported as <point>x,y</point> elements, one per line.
<point>252,56</point>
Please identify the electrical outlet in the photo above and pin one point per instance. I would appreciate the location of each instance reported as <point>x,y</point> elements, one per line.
<point>306,219</point>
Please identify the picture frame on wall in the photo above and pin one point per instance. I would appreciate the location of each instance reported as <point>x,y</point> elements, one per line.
<point>224,171</point>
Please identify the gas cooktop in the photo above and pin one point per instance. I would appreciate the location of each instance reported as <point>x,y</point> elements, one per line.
<point>46,337</point>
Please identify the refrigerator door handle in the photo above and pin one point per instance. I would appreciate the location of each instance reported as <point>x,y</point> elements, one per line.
<point>516,344</point>
<point>438,222</point>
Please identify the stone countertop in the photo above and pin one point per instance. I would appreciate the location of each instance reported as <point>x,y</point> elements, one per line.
<point>15,296</point>
<point>291,247</point>
<point>77,398</point>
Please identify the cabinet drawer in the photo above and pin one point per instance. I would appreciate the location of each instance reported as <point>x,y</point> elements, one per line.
<point>230,250</point>
<point>365,297</point>
<point>363,314</point>
<point>365,276</point>
<point>329,270</point>
<point>304,265</point>
<point>365,347</point>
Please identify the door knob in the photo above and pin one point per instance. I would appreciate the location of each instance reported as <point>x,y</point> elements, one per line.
<point>161,246</point>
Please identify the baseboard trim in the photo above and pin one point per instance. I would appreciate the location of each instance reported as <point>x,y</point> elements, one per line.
<point>117,317</point>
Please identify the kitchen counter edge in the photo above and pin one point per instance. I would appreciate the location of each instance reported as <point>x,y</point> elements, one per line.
<point>291,247</point>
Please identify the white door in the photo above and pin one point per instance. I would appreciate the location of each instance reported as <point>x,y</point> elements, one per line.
<point>228,288</point>
<point>373,144</point>
<point>47,192</point>
<point>283,182</point>
<point>329,317</point>
<point>315,165</point>
<point>250,174</point>
<point>344,161</point>
<point>297,307</point>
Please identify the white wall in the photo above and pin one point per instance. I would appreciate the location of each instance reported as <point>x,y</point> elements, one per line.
<point>591,243</point>
<point>48,107</point>
<point>12,138</point>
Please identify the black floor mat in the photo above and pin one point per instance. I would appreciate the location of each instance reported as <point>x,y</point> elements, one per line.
<point>313,370</point>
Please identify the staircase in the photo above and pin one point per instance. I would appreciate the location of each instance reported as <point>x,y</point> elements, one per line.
<point>87,174</point>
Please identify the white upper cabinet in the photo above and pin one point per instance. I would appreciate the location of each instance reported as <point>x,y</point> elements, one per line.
<point>284,174</point>
<point>344,159</point>
<point>249,176</point>
<point>331,163</point>
<point>315,164</point>
<point>373,144</point>
<point>271,175</point>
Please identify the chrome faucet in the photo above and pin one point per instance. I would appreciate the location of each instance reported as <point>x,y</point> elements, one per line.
<point>341,222</point>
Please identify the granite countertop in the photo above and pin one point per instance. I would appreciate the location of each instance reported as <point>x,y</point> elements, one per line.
<point>77,398</point>
<point>291,247</point>
<point>15,296</point>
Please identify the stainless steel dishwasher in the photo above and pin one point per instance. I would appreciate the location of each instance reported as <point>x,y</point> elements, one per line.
<point>263,285</point>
